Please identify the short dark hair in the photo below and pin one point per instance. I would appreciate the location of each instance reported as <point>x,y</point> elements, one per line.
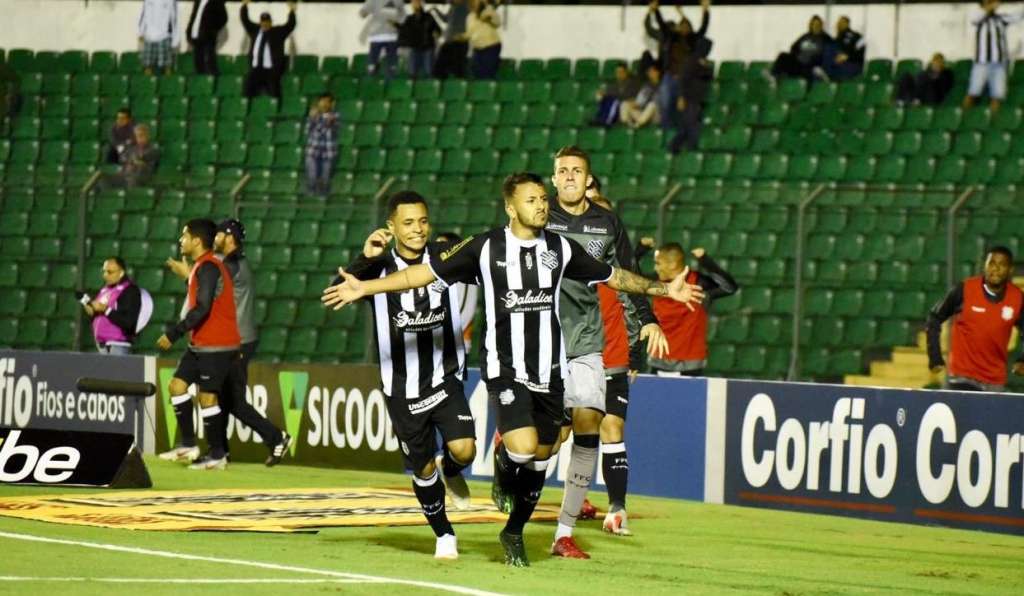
<point>404,197</point>
<point>204,229</point>
<point>517,179</point>
<point>1001,250</point>
<point>326,94</point>
<point>621,64</point>
<point>574,151</point>
<point>119,261</point>
<point>125,110</point>
<point>672,247</point>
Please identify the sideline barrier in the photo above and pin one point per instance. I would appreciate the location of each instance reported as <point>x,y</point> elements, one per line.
<point>38,390</point>
<point>925,457</point>
<point>917,456</point>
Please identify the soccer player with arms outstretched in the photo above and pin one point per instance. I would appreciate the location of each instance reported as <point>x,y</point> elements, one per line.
<point>520,268</point>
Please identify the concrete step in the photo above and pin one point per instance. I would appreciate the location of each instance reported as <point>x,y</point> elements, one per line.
<point>915,358</point>
<point>873,381</point>
<point>900,370</point>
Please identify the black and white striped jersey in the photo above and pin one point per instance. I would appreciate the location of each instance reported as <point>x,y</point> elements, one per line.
<point>520,281</point>
<point>990,42</point>
<point>419,332</point>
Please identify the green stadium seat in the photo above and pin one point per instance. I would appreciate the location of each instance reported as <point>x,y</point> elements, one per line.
<point>967,144</point>
<point>936,143</point>
<point>103,62</point>
<point>229,85</point>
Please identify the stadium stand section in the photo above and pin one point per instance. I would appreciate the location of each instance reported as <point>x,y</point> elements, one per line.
<point>875,242</point>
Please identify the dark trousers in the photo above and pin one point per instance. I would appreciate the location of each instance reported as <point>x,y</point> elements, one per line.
<point>232,401</point>
<point>451,60</point>
<point>263,81</point>
<point>486,62</point>
<point>787,65</point>
<point>421,63</point>
<point>390,51</point>
<point>204,56</point>
<point>688,126</point>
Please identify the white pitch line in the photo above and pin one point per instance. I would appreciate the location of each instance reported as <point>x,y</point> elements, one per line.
<point>178,580</point>
<point>172,555</point>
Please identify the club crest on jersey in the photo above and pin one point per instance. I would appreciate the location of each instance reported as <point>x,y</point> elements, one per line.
<point>549,259</point>
<point>438,287</point>
<point>595,248</point>
<point>1007,313</point>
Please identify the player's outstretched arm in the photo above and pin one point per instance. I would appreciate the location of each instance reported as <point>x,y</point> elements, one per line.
<point>678,290</point>
<point>352,289</point>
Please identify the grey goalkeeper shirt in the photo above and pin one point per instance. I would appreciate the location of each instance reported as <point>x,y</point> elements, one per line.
<point>245,299</point>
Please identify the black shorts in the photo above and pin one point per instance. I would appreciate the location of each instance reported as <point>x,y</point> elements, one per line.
<point>416,422</point>
<point>519,407</point>
<point>616,396</point>
<point>210,371</point>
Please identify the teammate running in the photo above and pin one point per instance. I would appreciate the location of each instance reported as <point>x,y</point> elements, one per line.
<point>521,268</point>
<point>212,354</point>
<point>422,364</point>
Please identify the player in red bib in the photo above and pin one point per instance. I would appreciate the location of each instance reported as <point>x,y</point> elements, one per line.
<point>987,307</point>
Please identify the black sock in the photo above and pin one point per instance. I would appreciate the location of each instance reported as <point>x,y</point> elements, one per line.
<point>213,422</point>
<point>615,467</point>
<point>505,469</point>
<point>430,493</point>
<point>183,413</point>
<point>529,484</point>
<point>449,466</point>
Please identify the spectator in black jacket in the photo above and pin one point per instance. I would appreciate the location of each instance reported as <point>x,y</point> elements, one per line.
<point>805,55</point>
<point>678,43</point>
<point>929,87</point>
<point>844,58</point>
<point>419,32</point>
<point>207,20</point>
<point>624,87</point>
<point>267,62</point>
<point>454,52</point>
<point>122,134</point>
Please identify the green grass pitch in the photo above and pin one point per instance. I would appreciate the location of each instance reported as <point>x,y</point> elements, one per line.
<point>679,548</point>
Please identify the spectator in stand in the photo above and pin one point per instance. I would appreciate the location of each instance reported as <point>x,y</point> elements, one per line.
<point>321,145</point>
<point>609,99</point>
<point>844,58</point>
<point>991,54</point>
<point>204,26</point>
<point>119,311</point>
<point>158,33</point>
<point>654,103</point>
<point>654,36</point>
<point>805,55</point>
<point>381,30</point>
<point>419,33</point>
<point>928,87</point>
<point>482,31</point>
<point>686,329</point>
<point>987,308</point>
<point>451,57</point>
<point>138,162</point>
<point>680,43</point>
<point>267,61</point>
<point>121,134</point>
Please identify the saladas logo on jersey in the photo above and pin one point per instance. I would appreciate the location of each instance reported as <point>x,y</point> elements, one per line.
<point>916,456</point>
<point>335,414</point>
<point>38,390</point>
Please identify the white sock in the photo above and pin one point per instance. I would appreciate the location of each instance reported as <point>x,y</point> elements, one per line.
<point>562,531</point>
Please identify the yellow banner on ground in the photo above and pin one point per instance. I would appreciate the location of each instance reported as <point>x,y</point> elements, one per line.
<point>278,510</point>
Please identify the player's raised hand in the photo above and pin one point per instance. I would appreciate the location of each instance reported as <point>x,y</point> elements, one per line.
<point>657,343</point>
<point>376,243</point>
<point>347,292</point>
<point>687,293</point>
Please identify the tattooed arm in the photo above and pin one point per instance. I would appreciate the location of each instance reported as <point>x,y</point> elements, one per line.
<point>627,281</point>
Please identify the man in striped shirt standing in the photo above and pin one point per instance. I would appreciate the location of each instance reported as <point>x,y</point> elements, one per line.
<point>991,54</point>
<point>520,268</point>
